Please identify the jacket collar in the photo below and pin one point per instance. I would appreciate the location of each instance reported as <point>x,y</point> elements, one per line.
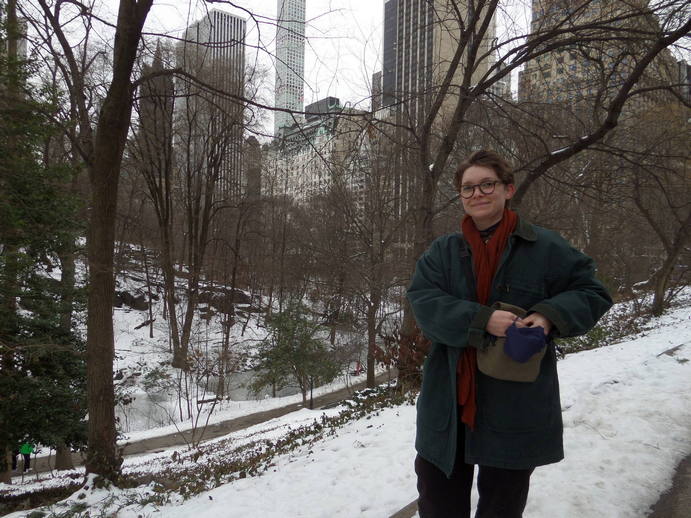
<point>525,230</point>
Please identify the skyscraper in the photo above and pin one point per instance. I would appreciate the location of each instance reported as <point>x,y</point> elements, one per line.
<point>154,143</point>
<point>420,39</point>
<point>290,60</point>
<point>213,51</point>
<point>585,72</point>
<point>408,52</point>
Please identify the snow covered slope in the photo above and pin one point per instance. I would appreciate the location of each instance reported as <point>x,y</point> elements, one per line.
<point>627,417</point>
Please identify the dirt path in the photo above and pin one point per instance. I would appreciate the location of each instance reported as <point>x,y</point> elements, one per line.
<point>155,444</point>
<point>408,511</point>
<point>673,503</point>
<point>676,501</point>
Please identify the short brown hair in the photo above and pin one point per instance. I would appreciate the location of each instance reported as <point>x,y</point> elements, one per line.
<point>485,158</point>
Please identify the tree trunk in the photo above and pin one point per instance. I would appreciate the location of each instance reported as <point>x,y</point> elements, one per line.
<point>192,296</point>
<point>147,276</point>
<point>8,281</point>
<point>372,310</point>
<point>661,280</point>
<point>281,264</point>
<point>408,361</point>
<point>228,320</point>
<point>63,457</point>
<point>179,361</point>
<point>335,306</point>
<point>6,466</point>
<point>10,289</point>
<point>672,248</point>
<point>103,457</point>
<point>227,323</point>
<point>663,276</point>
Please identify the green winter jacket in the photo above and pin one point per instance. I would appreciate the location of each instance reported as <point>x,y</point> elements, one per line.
<point>518,425</point>
<point>26,449</point>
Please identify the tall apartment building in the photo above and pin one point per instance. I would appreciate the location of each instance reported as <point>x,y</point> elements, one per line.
<point>574,75</point>
<point>684,79</point>
<point>408,52</point>
<point>21,41</point>
<point>290,61</point>
<point>420,39</point>
<point>560,76</point>
<point>154,149</point>
<point>213,50</point>
<point>309,156</point>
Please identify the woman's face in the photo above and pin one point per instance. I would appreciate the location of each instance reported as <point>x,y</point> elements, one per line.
<point>485,209</point>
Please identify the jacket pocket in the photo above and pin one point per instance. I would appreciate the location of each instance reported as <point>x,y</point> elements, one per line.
<point>521,292</point>
<point>508,406</point>
<point>436,395</point>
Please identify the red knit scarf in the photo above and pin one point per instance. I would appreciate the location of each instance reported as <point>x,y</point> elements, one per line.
<point>486,258</point>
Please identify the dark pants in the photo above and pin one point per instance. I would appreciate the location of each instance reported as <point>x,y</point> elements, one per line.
<point>503,492</point>
<point>27,460</point>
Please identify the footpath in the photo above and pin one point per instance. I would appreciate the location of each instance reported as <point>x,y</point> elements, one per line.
<point>183,437</point>
<point>673,503</point>
<point>676,501</point>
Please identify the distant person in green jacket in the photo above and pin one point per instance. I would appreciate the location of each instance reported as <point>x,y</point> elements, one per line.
<point>26,449</point>
<point>491,299</point>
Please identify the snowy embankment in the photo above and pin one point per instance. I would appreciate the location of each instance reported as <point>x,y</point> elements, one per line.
<point>627,418</point>
<point>153,398</point>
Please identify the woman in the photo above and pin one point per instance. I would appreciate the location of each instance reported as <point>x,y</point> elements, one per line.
<point>466,417</point>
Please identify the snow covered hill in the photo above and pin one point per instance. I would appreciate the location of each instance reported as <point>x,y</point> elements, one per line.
<point>150,393</point>
<point>627,417</point>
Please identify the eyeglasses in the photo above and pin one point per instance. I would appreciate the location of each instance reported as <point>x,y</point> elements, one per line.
<point>467,191</point>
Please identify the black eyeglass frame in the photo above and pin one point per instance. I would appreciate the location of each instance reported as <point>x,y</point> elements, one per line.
<point>488,188</point>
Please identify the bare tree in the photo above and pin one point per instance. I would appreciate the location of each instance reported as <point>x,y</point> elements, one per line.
<point>657,175</point>
<point>364,199</point>
<point>101,145</point>
<point>478,63</point>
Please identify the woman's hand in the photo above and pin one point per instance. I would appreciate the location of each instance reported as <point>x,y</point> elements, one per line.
<point>499,322</point>
<point>535,319</point>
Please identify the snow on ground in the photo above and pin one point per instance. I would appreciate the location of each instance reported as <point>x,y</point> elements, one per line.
<point>627,424</point>
<point>627,418</point>
<point>366,470</point>
<point>233,409</point>
<point>148,416</point>
<point>154,411</point>
<point>142,360</point>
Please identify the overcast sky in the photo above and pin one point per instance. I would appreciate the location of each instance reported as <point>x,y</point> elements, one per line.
<point>342,48</point>
<point>343,44</point>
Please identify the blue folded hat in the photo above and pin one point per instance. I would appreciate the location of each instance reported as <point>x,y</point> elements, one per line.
<point>523,342</point>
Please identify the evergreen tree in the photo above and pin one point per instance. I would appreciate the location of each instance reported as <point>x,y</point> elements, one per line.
<point>292,354</point>
<point>42,380</point>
